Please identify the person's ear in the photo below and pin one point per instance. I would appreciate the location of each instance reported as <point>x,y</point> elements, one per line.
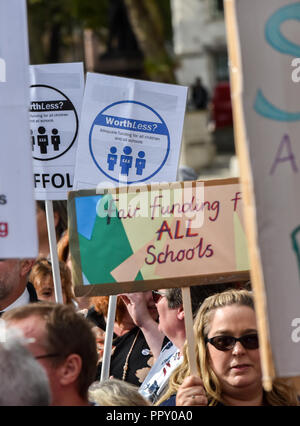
<point>180,313</point>
<point>26,265</point>
<point>70,369</point>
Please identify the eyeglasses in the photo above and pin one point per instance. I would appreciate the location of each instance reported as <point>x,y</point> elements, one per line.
<point>157,295</point>
<point>225,343</point>
<point>46,356</point>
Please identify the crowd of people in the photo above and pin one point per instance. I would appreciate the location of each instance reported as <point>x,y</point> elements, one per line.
<point>51,353</point>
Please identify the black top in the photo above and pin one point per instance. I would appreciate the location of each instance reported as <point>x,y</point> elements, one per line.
<point>32,293</point>
<point>140,359</point>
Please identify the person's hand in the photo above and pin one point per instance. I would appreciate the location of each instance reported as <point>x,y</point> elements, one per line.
<point>100,337</point>
<point>143,312</point>
<point>100,340</point>
<point>191,392</point>
<point>83,312</point>
<point>136,304</point>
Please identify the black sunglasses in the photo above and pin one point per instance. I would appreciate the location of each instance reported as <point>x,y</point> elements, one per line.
<point>225,343</point>
<point>157,295</point>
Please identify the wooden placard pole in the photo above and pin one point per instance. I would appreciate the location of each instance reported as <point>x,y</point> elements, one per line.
<point>53,252</point>
<point>189,330</point>
<point>256,273</point>
<point>111,315</point>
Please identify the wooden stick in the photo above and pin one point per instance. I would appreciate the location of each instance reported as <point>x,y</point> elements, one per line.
<point>189,330</point>
<point>111,315</point>
<point>53,252</point>
<point>256,272</point>
<point>88,41</point>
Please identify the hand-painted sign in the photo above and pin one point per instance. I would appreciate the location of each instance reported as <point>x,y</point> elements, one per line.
<point>133,238</point>
<point>266,98</point>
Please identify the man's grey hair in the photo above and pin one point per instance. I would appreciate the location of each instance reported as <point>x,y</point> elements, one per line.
<point>23,381</point>
<point>116,392</point>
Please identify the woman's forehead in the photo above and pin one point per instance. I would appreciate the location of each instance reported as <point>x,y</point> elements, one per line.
<point>232,317</point>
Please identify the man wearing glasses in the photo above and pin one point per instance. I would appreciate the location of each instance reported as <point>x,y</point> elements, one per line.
<point>64,344</point>
<point>23,380</point>
<point>169,305</point>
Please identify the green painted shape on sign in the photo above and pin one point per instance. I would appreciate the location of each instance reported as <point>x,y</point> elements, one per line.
<point>107,249</point>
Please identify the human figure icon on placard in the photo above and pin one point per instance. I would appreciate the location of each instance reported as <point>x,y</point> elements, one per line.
<point>140,163</point>
<point>112,158</point>
<point>32,139</point>
<point>126,161</point>
<point>42,140</point>
<point>55,139</point>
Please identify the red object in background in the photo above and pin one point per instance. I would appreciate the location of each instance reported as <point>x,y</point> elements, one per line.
<point>221,105</point>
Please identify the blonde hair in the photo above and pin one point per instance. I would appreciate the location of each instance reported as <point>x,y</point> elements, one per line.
<point>114,392</point>
<point>281,394</point>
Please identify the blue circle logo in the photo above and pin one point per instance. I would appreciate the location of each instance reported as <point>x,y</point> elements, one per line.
<point>129,150</point>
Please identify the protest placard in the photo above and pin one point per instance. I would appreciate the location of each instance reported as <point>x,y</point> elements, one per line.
<point>56,92</point>
<point>263,41</point>
<point>130,132</point>
<point>160,236</point>
<point>18,233</point>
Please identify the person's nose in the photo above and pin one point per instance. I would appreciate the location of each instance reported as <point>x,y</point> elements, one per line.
<point>238,349</point>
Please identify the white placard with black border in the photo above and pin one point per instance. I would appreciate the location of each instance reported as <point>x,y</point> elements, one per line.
<point>130,132</point>
<point>56,92</point>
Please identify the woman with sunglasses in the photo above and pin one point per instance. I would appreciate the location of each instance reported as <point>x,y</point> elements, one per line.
<point>228,358</point>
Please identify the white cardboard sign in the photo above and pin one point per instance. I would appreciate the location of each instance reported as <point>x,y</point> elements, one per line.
<point>56,92</point>
<point>269,37</point>
<point>18,233</point>
<point>130,132</point>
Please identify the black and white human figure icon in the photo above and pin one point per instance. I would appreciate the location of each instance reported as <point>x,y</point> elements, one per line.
<point>42,140</point>
<point>140,163</point>
<point>112,158</point>
<point>32,139</point>
<point>55,131</point>
<point>126,161</point>
<point>55,139</point>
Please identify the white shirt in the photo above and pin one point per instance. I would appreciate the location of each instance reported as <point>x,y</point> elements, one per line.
<point>24,299</point>
<point>157,379</point>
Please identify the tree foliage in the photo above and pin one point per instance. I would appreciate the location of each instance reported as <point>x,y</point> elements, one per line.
<point>52,23</point>
<point>147,21</point>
